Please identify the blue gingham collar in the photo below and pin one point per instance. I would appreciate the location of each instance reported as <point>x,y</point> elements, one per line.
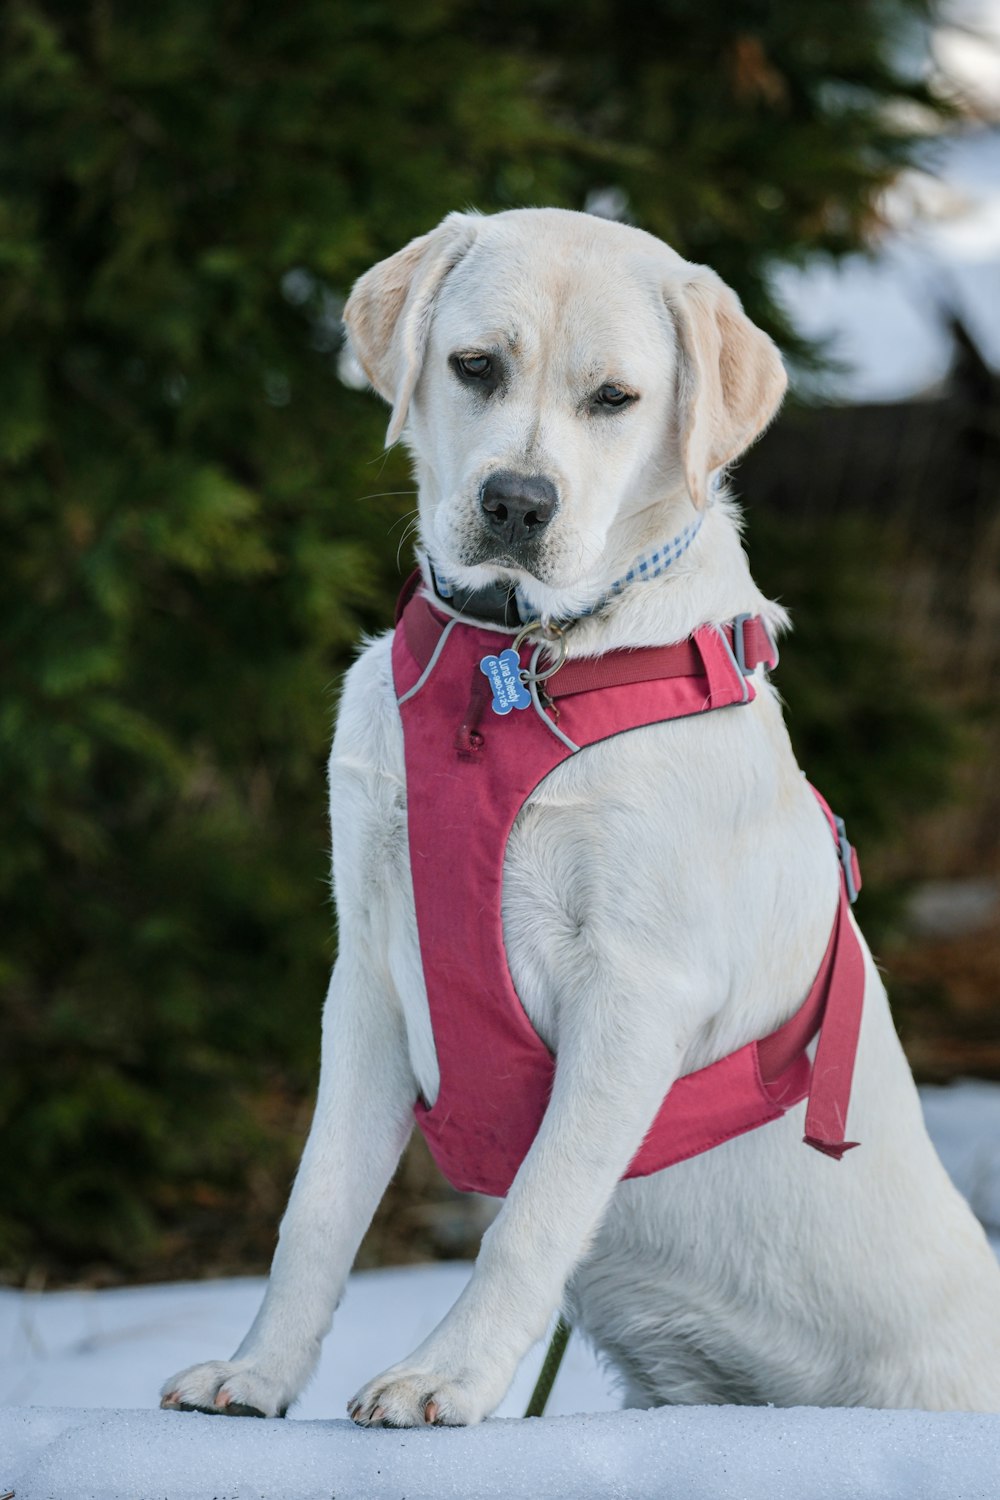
<point>501,603</point>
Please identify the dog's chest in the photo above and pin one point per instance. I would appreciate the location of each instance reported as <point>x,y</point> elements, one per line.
<point>547,905</point>
<point>595,885</point>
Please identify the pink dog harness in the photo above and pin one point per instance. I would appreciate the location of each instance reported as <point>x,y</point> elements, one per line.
<point>468,773</point>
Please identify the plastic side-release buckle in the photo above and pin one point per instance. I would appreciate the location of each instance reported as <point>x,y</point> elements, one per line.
<point>848,860</point>
<point>740,624</point>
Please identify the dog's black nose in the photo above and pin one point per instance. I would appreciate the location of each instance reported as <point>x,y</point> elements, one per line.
<point>518,506</point>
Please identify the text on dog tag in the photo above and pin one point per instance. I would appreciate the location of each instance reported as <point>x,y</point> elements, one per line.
<point>504,673</point>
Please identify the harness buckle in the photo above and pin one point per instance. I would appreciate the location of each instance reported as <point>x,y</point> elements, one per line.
<point>848,860</point>
<point>740,623</point>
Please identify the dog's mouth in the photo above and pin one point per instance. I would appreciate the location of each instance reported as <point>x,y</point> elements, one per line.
<point>498,560</point>
<point>508,563</point>
<point>469,556</point>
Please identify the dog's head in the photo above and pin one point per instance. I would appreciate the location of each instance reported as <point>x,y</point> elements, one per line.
<point>556,376</point>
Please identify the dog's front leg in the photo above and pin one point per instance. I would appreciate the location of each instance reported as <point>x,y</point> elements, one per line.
<point>610,1080</point>
<point>362,1121</point>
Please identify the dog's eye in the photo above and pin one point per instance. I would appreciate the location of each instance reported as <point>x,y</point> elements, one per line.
<point>475,366</point>
<point>613,395</point>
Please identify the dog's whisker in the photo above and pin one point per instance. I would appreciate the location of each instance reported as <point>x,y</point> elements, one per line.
<point>410,531</point>
<point>384,494</point>
<point>408,515</point>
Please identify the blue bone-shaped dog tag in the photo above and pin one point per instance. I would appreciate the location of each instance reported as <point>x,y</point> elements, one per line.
<point>504,672</point>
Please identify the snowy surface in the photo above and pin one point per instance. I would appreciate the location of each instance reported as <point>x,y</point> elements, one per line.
<point>116,1348</point>
<point>64,1352</point>
<point>964,1124</point>
<point>680,1453</point>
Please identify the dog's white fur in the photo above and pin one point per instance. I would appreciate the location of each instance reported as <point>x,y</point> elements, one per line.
<point>668,896</point>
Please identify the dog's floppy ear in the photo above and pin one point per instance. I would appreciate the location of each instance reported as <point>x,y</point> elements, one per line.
<point>388,314</point>
<point>730,377</point>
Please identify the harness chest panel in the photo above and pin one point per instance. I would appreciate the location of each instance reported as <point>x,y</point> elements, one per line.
<point>468,773</point>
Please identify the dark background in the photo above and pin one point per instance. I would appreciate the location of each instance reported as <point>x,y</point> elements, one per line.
<point>197,522</point>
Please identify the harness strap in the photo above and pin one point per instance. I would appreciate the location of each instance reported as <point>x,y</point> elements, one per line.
<point>747,638</point>
<point>833,1064</point>
<point>406,593</point>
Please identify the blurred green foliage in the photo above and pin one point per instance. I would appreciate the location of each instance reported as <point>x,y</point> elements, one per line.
<point>196,521</point>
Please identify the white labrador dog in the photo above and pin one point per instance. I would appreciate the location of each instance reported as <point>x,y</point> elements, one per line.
<point>543,342</point>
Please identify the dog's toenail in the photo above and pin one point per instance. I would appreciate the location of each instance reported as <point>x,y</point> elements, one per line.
<point>378,1414</point>
<point>431,1411</point>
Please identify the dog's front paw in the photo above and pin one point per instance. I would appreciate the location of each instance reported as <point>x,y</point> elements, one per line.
<point>406,1397</point>
<point>230,1388</point>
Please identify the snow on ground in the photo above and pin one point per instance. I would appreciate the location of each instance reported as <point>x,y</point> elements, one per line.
<point>116,1348</point>
<point>679,1453</point>
<point>964,1124</point>
<point>63,1352</point>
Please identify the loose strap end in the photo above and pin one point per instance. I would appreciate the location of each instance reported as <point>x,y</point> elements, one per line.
<point>835,1149</point>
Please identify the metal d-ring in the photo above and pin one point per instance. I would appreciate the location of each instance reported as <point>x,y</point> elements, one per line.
<point>551,635</point>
